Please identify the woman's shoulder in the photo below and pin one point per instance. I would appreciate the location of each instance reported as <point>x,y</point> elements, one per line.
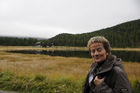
<point>118,71</point>
<point>117,65</point>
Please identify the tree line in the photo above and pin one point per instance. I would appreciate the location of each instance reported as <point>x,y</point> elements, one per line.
<point>15,41</point>
<point>122,35</point>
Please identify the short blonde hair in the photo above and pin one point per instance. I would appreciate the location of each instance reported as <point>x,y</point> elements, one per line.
<point>100,39</point>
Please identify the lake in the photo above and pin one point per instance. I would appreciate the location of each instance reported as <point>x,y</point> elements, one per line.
<point>132,56</point>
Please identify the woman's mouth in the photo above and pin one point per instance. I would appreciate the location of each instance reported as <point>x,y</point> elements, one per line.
<point>97,57</point>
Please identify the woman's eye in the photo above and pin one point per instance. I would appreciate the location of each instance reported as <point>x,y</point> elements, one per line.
<point>99,49</point>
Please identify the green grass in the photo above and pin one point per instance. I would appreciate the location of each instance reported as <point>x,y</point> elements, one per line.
<point>43,84</point>
<point>39,84</point>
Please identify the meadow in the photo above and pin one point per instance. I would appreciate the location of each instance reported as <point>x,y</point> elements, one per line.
<point>32,73</point>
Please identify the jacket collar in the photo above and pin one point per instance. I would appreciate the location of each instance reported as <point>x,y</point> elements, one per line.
<point>105,67</point>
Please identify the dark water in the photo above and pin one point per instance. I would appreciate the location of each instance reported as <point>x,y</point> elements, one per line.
<point>133,56</point>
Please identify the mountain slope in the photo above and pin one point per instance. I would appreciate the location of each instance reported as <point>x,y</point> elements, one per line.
<point>123,35</point>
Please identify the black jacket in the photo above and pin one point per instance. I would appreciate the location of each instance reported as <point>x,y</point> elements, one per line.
<point>116,80</point>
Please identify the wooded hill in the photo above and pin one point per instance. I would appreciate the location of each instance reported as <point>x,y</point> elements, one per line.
<point>122,35</point>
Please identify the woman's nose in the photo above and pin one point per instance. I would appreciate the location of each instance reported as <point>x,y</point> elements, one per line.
<point>96,53</point>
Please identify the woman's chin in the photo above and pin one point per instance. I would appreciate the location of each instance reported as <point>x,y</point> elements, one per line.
<point>97,61</point>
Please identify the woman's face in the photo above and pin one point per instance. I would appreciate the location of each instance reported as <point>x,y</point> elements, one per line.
<point>98,53</point>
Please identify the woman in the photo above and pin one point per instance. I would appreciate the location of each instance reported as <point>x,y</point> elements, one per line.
<point>107,74</point>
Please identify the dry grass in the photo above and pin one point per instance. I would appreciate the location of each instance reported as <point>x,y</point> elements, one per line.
<point>29,64</point>
<point>133,70</point>
<point>58,48</point>
<point>53,67</point>
<point>126,49</point>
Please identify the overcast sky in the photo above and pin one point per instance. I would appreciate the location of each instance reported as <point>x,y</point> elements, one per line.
<point>47,18</point>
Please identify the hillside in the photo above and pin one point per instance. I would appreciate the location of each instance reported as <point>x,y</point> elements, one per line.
<point>123,35</point>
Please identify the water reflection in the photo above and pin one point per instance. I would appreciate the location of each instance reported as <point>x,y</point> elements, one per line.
<point>132,56</point>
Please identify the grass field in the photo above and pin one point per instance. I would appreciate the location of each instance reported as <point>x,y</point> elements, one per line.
<point>54,68</point>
